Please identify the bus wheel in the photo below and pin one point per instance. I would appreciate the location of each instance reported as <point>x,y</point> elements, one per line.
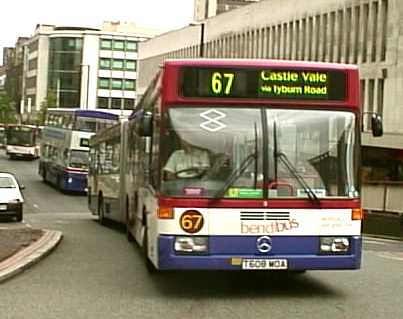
<point>129,235</point>
<point>44,176</point>
<point>101,212</point>
<point>149,265</point>
<point>59,184</point>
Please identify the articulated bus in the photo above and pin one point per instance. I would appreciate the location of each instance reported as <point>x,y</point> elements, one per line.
<point>22,141</point>
<point>240,165</point>
<point>106,174</point>
<point>65,146</point>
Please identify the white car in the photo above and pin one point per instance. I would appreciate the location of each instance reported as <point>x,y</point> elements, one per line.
<point>11,199</point>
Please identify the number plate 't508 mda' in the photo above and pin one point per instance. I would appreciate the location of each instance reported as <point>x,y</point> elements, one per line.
<point>258,264</point>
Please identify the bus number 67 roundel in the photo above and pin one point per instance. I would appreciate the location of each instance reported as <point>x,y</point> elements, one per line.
<point>191,221</point>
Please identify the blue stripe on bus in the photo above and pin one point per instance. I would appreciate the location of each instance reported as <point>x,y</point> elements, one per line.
<point>301,253</point>
<point>97,114</point>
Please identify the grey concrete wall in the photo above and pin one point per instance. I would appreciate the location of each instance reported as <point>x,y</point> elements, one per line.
<point>363,32</point>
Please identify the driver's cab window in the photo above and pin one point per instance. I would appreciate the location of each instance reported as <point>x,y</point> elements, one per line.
<point>186,160</point>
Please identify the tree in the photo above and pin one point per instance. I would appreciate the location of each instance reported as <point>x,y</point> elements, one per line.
<point>49,101</point>
<point>7,109</point>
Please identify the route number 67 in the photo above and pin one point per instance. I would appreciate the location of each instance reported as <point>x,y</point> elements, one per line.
<point>191,221</point>
<point>221,83</point>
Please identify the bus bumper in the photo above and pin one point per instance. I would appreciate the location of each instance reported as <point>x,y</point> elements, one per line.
<point>227,253</point>
<point>74,182</point>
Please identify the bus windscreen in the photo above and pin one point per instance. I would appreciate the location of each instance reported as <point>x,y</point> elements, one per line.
<point>264,83</point>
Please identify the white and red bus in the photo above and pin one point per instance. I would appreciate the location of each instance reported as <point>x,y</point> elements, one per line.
<point>22,141</point>
<point>281,190</point>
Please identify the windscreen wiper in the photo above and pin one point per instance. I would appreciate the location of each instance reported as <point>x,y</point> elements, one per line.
<point>235,175</point>
<point>308,190</point>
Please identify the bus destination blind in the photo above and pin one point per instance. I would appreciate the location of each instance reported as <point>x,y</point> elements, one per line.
<point>263,83</point>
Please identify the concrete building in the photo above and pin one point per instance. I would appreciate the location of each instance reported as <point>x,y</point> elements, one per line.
<point>363,32</point>
<point>204,9</point>
<point>71,67</point>
<point>13,59</point>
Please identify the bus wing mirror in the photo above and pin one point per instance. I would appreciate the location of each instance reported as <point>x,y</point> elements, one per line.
<point>146,125</point>
<point>376,124</point>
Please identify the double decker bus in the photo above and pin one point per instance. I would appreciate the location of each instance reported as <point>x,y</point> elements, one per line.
<point>22,141</point>
<point>65,146</point>
<point>273,180</point>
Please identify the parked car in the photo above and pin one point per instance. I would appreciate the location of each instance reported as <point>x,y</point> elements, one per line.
<point>11,198</point>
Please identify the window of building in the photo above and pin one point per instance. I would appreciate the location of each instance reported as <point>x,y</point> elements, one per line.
<point>117,84</point>
<point>104,83</point>
<point>131,46</point>
<point>117,64</point>
<point>118,45</point>
<point>103,102</point>
<point>116,103</point>
<point>129,84</point>
<point>105,63</point>
<point>32,64</point>
<point>106,44</point>
<point>130,65</point>
<point>129,104</point>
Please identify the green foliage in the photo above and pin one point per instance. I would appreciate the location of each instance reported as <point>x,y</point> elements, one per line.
<point>49,101</point>
<point>7,109</point>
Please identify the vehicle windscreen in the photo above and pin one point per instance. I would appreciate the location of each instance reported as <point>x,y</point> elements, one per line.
<point>7,182</point>
<point>79,159</point>
<point>259,152</point>
<point>20,137</point>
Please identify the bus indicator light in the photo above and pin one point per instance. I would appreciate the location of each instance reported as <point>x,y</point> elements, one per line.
<point>191,221</point>
<point>165,213</point>
<point>357,214</point>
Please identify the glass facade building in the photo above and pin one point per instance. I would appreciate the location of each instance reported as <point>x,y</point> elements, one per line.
<point>65,60</point>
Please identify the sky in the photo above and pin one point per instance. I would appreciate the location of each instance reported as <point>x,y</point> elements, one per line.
<point>19,17</point>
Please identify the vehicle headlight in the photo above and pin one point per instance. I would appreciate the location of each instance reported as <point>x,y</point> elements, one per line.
<point>334,245</point>
<point>191,244</point>
<point>69,180</point>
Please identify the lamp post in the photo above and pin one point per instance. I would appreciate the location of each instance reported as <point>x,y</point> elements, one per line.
<point>201,43</point>
<point>201,53</point>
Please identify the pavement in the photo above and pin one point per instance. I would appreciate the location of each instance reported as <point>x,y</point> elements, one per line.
<point>22,246</point>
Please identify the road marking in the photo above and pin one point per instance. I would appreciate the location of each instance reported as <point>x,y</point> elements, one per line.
<point>374,242</point>
<point>379,240</point>
<point>394,256</point>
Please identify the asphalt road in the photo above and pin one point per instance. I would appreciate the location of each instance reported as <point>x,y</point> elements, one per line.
<point>96,273</point>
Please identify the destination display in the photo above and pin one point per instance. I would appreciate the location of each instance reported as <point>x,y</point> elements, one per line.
<point>265,83</point>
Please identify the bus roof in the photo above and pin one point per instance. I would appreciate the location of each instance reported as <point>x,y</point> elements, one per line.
<point>260,63</point>
<point>189,81</point>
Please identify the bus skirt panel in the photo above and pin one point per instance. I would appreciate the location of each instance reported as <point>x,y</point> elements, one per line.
<point>241,252</point>
<point>74,181</point>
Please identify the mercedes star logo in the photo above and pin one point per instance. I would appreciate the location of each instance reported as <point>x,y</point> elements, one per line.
<point>264,244</point>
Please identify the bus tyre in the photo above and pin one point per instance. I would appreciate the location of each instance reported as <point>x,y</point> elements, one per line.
<point>101,212</point>
<point>59,184</point>
<point>149,265</point>
<point>129,235</point>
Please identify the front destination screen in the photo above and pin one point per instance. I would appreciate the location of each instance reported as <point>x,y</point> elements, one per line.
<point>270,83</point>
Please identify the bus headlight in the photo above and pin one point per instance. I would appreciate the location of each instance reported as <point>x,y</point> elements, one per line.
<point>191,244</point>
<point>334,245</point>
<point>70,180</point>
